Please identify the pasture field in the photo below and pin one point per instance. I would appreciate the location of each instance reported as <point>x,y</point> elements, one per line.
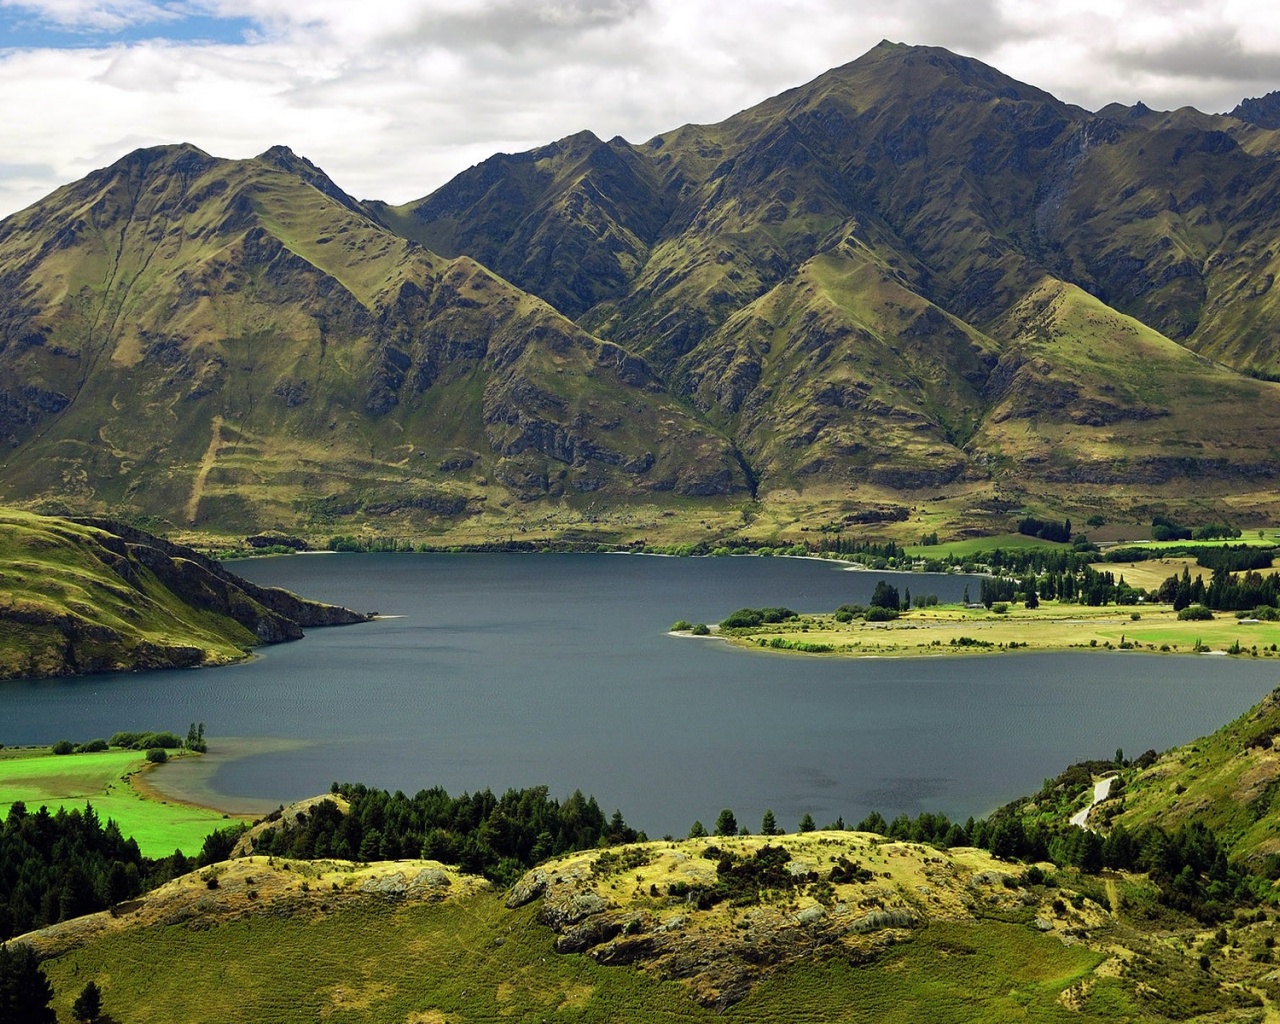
<point>953,630</point>
<point>37,776</point>
<point>469,959</point>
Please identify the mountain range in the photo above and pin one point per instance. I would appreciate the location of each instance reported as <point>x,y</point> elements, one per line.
<point>913,287</point>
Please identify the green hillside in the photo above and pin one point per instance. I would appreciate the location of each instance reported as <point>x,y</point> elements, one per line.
<point>903,933</point>
<point>78,597</point>
<point>234,345</point>
<point>1227,781</point>
<point>912,284</point>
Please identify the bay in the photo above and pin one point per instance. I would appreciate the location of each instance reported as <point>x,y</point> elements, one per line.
<point>519,670</point>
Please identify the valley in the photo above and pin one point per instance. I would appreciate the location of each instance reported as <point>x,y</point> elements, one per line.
<point>913,323</point>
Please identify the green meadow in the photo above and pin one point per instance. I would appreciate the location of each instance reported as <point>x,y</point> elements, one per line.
<point>38,777</point>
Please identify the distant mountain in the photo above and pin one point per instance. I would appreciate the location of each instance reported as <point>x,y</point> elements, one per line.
<point>1264,111</point>
<point>916,270</point>
<point>912,281</point>
<point>235,344</point>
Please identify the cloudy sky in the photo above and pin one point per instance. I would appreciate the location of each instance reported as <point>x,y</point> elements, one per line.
<point>393,97</point>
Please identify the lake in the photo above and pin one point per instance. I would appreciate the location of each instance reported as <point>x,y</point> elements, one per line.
<point>520,670</point>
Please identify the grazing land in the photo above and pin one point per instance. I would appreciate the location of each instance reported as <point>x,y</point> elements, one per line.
<point>38,777</point>
<point>954,630</point>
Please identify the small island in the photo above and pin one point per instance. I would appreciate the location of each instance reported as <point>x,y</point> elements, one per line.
<point>884,629</point>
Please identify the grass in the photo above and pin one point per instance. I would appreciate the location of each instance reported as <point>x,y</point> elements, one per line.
<point>463,960</point>
<point>951,629</point>
<point>53,571</point>
<point>953,972</point>
<point>468,959</point>
<point>981,545</point>
<point>37,777</point>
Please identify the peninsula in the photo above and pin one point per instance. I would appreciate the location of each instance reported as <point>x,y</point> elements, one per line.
<point>93,595</point>
<point>975,629</point>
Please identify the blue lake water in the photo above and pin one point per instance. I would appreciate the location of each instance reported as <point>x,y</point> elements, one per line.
<point>519,670</point>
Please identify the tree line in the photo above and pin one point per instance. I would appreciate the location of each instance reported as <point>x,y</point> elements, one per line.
<point>499,837</point>
<point>54,867</point>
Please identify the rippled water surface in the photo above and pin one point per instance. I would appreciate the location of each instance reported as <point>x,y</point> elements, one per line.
<point>517,670</point>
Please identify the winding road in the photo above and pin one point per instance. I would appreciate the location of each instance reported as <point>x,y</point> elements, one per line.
<point>1101,790</point>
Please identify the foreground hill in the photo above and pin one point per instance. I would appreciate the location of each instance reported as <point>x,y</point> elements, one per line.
<point>97,596</point>
<point>806,927</point>
<point>757,928</point>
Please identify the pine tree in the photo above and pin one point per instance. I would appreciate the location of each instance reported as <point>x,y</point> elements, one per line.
<point>25,992</point>
<point>807,824</point>
<point>726,823</point>
<point>88,1004</point>
<point>769,824</point>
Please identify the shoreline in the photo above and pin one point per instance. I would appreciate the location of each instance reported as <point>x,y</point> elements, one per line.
<point>188,781</point>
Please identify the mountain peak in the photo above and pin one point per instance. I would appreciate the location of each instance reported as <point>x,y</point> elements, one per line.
<point>178,156</point>
<point>1264,111</point>
<point>283,158</point>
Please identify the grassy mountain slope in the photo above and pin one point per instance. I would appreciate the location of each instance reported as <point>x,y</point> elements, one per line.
<point>1228,780</point>
<point>839,354</point>
<point>99,597</point>
<point>913,279</point>
<point>996,274</point>
<point>236,343</point>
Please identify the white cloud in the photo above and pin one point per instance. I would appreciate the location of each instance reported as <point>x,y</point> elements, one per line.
<point>91,15</point>
<point>394,98</point>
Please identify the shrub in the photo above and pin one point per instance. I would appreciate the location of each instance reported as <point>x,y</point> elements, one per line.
<point>145,740</point>
<point>93,747</point>
<point>701,629</point>
<point>64,747</point>
<point>743,618</point>
<point>880,614</point>
<point>1195,613</point>
<point>157,755</point>
<point>1000,607</point>
<point>681,626</point>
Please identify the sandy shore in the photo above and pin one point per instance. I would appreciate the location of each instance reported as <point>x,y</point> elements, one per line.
<point>189,780</point>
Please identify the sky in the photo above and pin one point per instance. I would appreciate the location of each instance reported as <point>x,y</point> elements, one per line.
<point>394,97</point>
